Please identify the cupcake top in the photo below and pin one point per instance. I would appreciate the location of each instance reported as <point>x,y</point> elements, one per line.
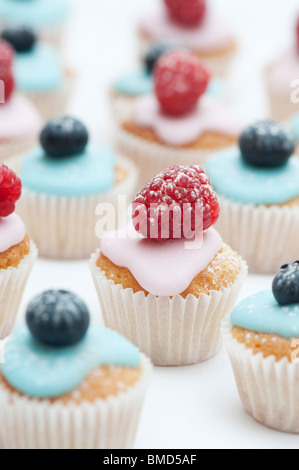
<point>262,170</point>
<point>38,14</point>
<point>192,24</point>
<point>179,111</point>
<point>12,229</point>
<point>58,349</point>
<point>66,164</point>
<point>18,117</point>
<point>171,239</point>
<point>37,66</point>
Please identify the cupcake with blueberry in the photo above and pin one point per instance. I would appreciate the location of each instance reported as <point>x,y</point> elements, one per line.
<point>67,384</point>
<point>262,339</point>
<point>179,123</point>
<point>46,17</point>
<point>17,252</point>
<point>282,81</point>
<point>167,281</point>
<point>19,119</point>
<point>65,180</point>
<point>38,70</point>
<point>258,188</point>
<point>193,24</point>
<point>139,82</point>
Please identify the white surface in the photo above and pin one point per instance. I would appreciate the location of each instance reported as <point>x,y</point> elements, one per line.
<point>198,406</point>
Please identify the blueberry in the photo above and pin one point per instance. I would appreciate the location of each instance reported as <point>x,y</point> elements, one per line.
<point>155,52</point>
<point>266,144</point>
<point>286,284</point>
<point>57,318</point>
<point>64,137</point>
<point>21,38</point>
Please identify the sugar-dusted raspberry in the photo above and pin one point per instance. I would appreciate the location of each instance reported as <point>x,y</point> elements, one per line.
<point>6,57</point>
<point>162,209</point>
<point>188,12</point>
<point>180,79</point>
<point>10,190</point>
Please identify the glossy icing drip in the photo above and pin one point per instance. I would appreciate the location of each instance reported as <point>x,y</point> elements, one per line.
<point>18,119</point>
<point>234,179</point>
<point>45,372</point>
<point>12,232</point>
<point>209,116</point>
<point>210,35</point>
<point>261,313</point>
<point>161,268</point>
<point>89,173</point>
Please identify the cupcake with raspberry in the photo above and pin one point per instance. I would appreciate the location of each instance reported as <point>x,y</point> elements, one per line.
<point>193,24</point>
<point>281,78</point>
<point>75,383</point>
<point>46,17</point>
<point>38,70</point>
<point>19,120</point>
<point>262,338</point>
<point>179,123</point>
<point>17,252</point>
<point>139,82</point>
<point>166,281</point>
<point>258,188</point>
<point>65,180</point>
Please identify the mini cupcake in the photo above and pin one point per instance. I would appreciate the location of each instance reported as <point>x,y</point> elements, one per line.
<point>167,284</point>
<point>19,119</point>
<point>173,126</point>
<point>262,341</point>
<point>38,70</point>
<point>46,17</point>
<point>17,252</point>
<point>64,182</point>
<point>258,187</point>
<point>67,385</point>
<point>192,24</point>
<point>282,81</point>
<point>139,82</point>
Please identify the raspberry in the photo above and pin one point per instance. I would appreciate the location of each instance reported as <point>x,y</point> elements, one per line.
<point>9,86</point>
<point>178,189</point>
<point>6,57</point>
<point>180,79</point>
<point>188,12</point>
<point>10,190</point>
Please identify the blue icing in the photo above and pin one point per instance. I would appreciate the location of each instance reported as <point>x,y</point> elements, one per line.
<point>295,126</point>
<point>91,172</point>
<point>261,313</point>
<point>140,82</point>
<point>44,372</point>
<point>35,13</point>
<point>38,70</point>
<point>234,179</point>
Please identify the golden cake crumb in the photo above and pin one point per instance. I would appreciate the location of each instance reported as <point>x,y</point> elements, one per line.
<point>102,383</point>
<point>221,272</point>
<point>206,141</point>
<point>267,344</point>
<point>15,254</point>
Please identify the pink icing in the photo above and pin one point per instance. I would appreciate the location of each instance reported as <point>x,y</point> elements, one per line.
<point>12,231</point>
<point>210,35</point>
<point>284,72</point>
<point>18,119</point>
<point>163,269</point>
<point>209,115</point>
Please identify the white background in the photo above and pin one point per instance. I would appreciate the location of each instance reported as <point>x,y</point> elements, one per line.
<point>198,406</point>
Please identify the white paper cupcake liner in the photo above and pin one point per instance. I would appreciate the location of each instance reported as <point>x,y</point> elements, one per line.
<point>54,102</point>
<point>65,227</point>
<point>171,331</point>
<point>151,158</point>
<point>218,64</point>
<point>269,390</point>
<point>28,423</point>
<point>266,237</point>
<point>12,285</point>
